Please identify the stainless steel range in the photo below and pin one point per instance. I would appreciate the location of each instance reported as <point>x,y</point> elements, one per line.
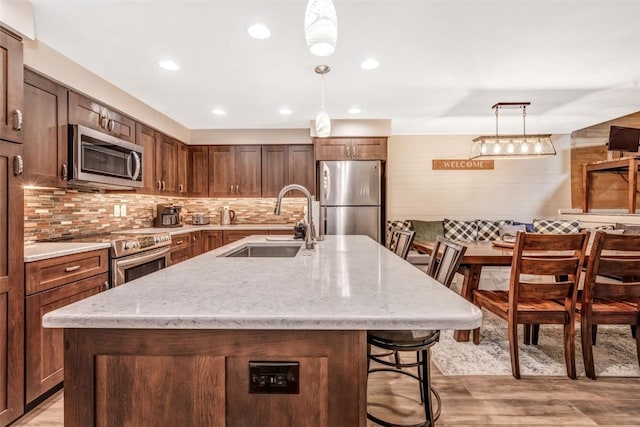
<point>134,255</point>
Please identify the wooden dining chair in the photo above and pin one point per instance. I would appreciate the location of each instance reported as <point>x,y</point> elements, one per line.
<point>400,242</point>
<point>611,293</point>
<point>556,260</point>
<point>448,255</point>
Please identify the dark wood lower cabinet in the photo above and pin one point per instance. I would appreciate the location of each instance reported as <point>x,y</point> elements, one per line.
<point>211,240</point>
<point>201,377</point>
<point>44,346</point>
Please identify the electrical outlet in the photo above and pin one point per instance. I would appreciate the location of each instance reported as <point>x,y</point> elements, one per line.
<point>123,210</point>
<point>116,210</point>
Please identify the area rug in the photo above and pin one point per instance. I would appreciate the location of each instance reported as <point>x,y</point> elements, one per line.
<point>614,354</point>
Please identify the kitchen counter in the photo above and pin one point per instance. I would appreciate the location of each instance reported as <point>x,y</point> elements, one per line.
<point>45,250</point>
<point>201,342</point>
<point>347,282</point>
<point>37,251</point>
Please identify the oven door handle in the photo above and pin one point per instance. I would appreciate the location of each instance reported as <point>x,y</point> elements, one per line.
<point>145,257</point>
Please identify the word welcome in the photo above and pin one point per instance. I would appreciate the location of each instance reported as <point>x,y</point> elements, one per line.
<point>457,164</point>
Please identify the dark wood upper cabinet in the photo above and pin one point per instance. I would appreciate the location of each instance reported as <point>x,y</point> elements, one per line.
<point>198,171</point>
<point>11,95</point>
<point>287,164</point>
<point>183,173</point>
<point>235,170</point>
<point>149,139</point>
<point>167,164</point>
<point>87,112</point>
<point>11,286</point>
<point>45,131</point>
<point>350,148</point>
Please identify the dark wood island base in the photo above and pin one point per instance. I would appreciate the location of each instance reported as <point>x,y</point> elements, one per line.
<point>133,377</point>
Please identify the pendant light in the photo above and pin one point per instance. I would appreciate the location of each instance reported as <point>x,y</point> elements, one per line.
<point>512,146</point>
<point>321,27</point>
<point>323,122</point>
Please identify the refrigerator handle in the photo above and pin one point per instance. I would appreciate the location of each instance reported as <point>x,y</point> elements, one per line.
<point>325,182</point>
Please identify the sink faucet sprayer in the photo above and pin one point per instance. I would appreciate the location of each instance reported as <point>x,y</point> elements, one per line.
<point>309,237</point>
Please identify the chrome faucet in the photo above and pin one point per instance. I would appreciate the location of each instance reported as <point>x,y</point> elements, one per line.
<point>309,236</point>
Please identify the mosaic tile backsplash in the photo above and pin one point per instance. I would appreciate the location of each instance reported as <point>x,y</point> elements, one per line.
<point>58,214</point>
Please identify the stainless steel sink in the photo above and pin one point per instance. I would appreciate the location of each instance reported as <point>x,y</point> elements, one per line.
<point>251,250</point>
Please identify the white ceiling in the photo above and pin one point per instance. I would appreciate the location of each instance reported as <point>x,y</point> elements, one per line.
<point>443,63</point>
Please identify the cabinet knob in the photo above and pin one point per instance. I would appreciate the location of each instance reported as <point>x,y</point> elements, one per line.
<point>111,125</point>
<point>63,172</point>
<point>159,185</point>
<point>103,121</point>
<point>231,189</point>
<point>237,189</point>
<point>17,120</point>
<point>348,151</point>
<point>163,185</point>
<point>106,285</point>
<point>180,188</point>
<point>355,150</point>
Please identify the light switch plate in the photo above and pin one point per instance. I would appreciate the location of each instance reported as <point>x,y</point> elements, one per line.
<point>123,210</point>
<point>116,210</point>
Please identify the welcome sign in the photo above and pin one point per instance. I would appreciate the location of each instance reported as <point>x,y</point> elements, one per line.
<point>461,164</point>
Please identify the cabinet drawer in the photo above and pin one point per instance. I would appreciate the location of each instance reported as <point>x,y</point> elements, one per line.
<point>282,232</point>
<point>179,241</point>
<point>229,236</point>
<point>53,272</point>
<point>44,353</point>
<point>180,255</point>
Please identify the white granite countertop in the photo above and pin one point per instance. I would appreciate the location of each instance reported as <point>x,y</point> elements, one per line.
<point>347,282</point>
<point>45,250</point>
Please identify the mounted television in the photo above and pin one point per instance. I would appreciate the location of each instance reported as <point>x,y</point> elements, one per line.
<point>624,139</point>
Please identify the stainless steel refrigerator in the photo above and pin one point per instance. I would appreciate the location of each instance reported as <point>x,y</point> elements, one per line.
<point>351,197</point>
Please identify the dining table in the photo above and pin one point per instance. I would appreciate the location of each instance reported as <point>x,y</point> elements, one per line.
<point>479,254</point>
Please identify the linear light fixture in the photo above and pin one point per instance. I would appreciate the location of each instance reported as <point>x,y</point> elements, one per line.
<point>512,146</point>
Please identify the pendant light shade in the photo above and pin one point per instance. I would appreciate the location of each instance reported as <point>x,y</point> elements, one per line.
<point>321,27</point>
<point>323,122</point>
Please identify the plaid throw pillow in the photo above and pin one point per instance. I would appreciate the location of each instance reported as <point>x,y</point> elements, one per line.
<point>554,226</point>
<point>402,225</point>
<point>490,230</point>
<point>462,231</point>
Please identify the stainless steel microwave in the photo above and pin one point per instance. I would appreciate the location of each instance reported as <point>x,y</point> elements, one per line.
<point>100,160</point>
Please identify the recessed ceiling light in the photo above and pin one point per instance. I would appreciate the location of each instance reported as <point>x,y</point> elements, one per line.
<point>218,112</point>
<point>259,32</point>
<point>167,64</point>
<point>355,110</point>
<point>370,64</point>
<point>285,111</point>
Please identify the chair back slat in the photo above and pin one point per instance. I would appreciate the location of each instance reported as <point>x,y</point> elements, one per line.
<point>545,290</point>
<point>445,260</point>
<point>550,266</point>
<point>615,257</point>
<point>556,259</point>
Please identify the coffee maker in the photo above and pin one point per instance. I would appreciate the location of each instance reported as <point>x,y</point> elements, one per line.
<point>168,216</point>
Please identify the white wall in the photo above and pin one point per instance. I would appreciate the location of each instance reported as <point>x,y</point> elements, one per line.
<point>515,189</point>
<point>17,15</point>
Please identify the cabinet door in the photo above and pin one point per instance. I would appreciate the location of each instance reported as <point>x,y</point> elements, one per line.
<point>196,243</point>
<point>87,112</point>
<point>275,161</point>
<point>369,148</point>
<point>45,131</point>
<point>150,140</point>
<point>183,171</point>
<point>211,240</point>
<point>11,287</point>
<point>332,148</point>
<point>45,347</point>
<point>11,78</point>
<point>301,168</point>
<point>198,171</point>
<point>167,164</point>
<point>222,171</point>
<point>248,161</point>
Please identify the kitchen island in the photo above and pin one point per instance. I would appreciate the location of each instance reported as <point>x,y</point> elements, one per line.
<point>174,347</point>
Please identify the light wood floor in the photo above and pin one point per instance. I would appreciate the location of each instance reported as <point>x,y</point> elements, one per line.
<point>475,401</point>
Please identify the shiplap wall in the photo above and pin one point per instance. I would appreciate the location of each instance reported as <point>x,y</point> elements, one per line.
<point>516,189</point>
